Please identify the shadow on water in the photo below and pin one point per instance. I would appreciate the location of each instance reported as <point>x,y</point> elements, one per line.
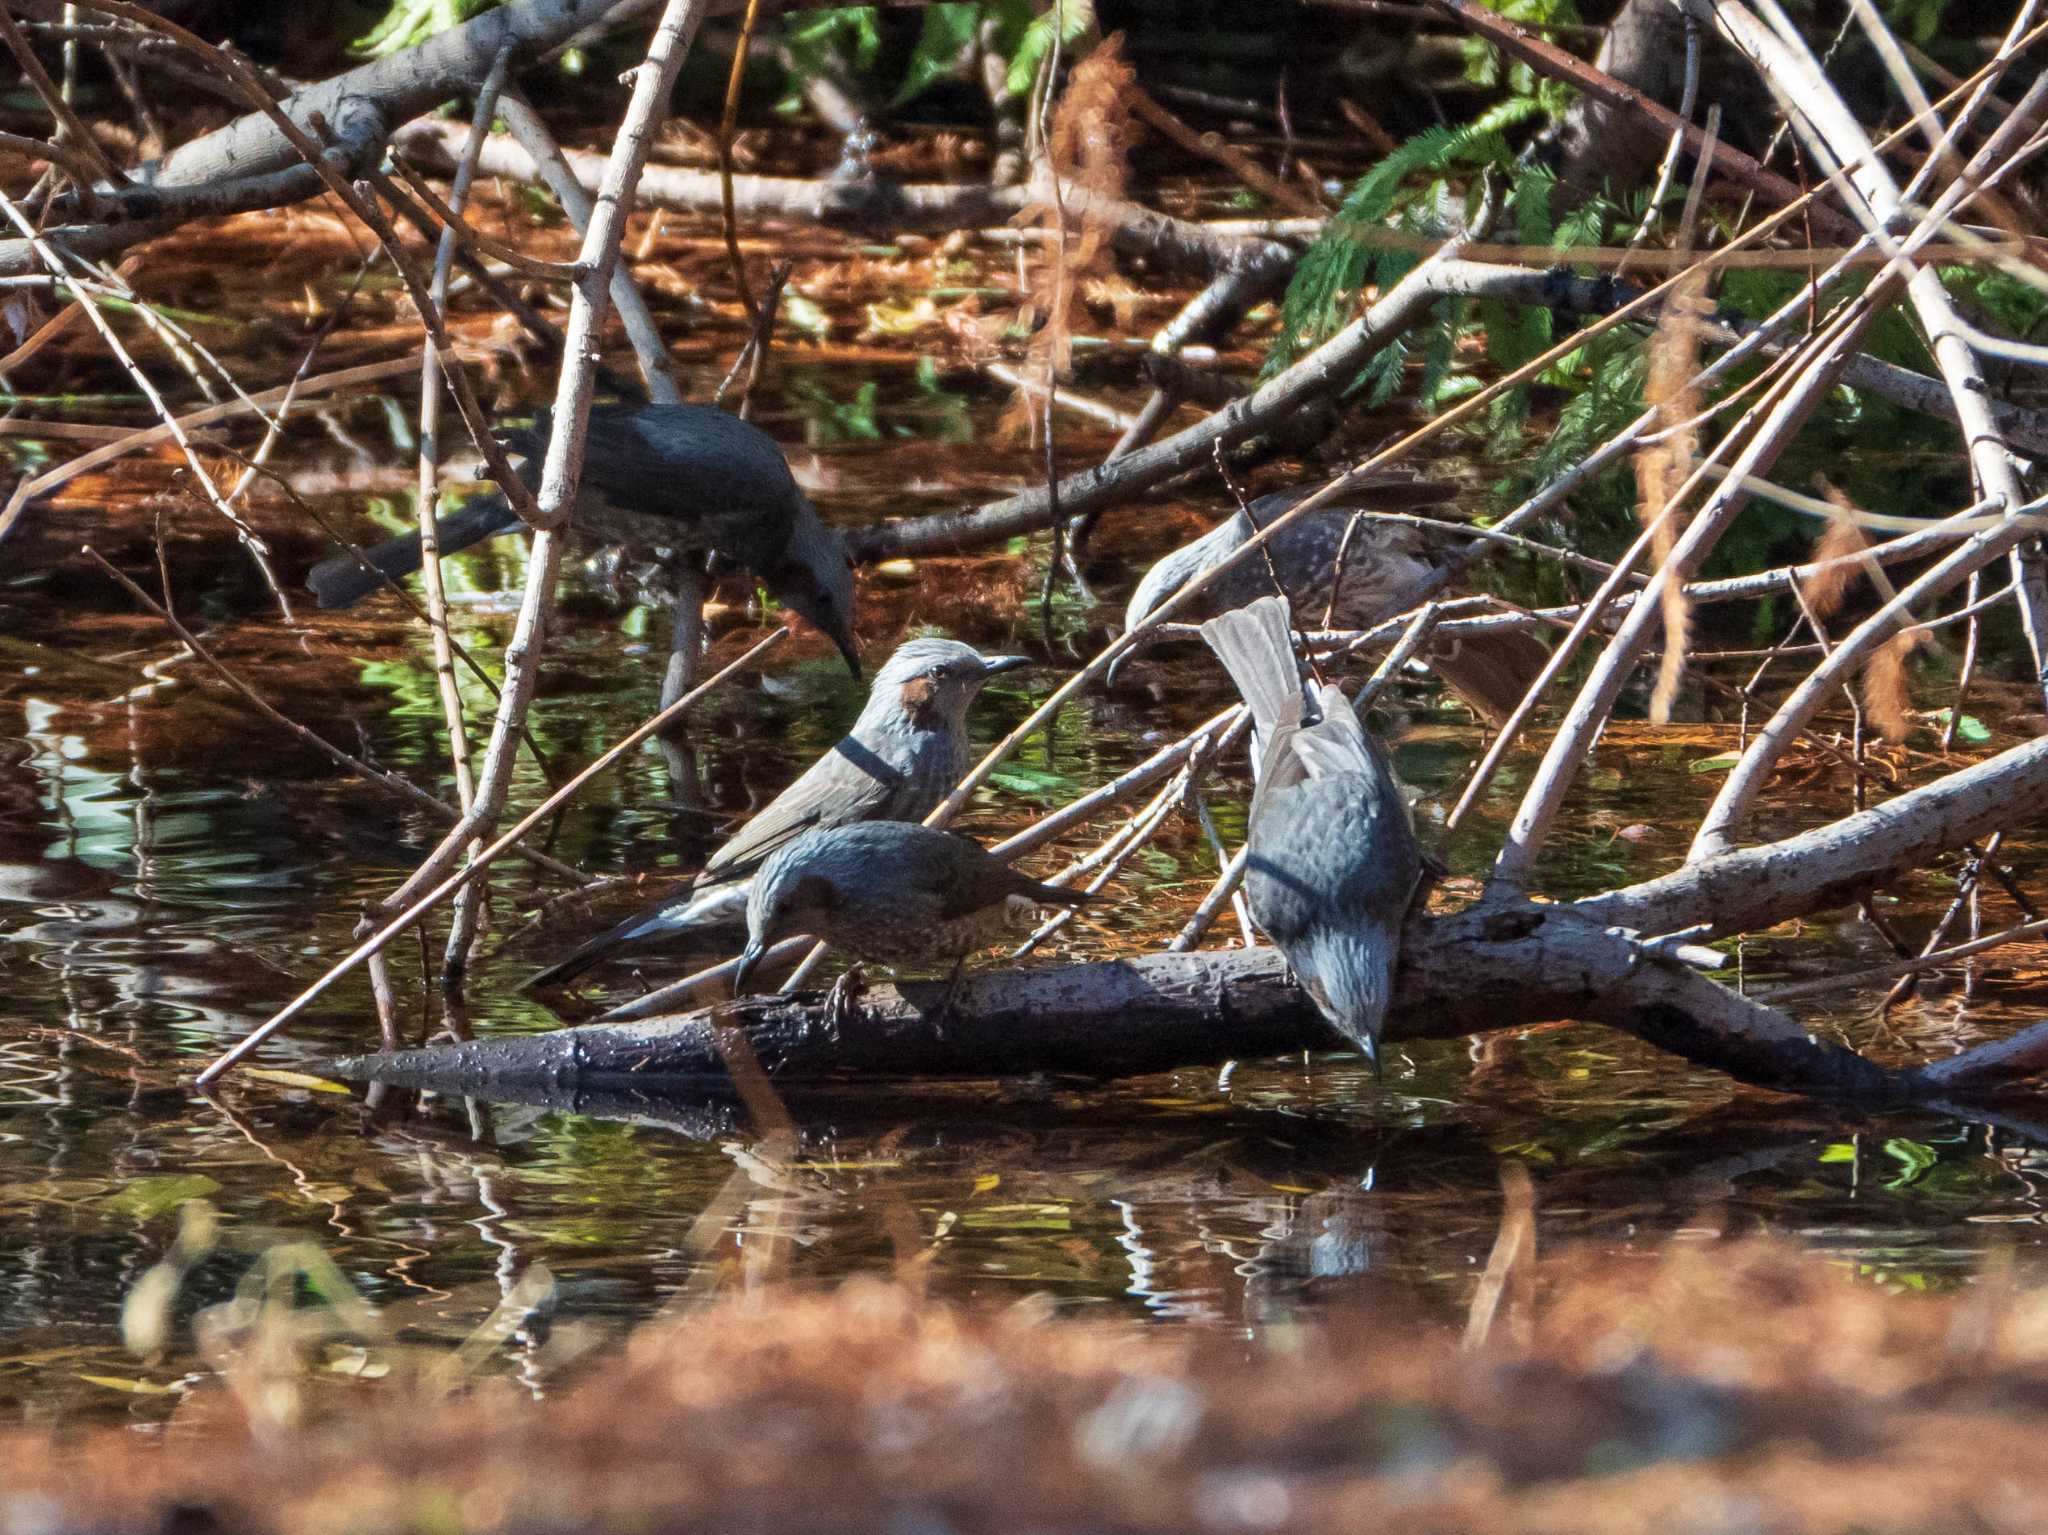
<point>170,871</point>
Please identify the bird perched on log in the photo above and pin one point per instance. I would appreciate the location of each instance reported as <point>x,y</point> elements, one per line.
<point>1332,864</point>
<point>689,479</point>
<point>891,891</point>
<point>1384,562</point>
<point>904,754</point>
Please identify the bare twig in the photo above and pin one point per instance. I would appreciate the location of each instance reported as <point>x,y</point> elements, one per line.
<point>1932,959</point>
<point>641,330</point>
<point>588,305</point>
<point>403,788</point>
<point>259,551</point>
<point>469,904</point>
<point>476,866</point>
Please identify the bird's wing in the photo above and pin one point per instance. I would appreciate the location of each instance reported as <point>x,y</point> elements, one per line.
<point>641,457</point>
<point>848,784</point>
<point>697,917</point>
<point>1336,743</point>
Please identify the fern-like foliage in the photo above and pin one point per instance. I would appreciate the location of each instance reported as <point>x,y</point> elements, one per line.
<point>1351,254</point>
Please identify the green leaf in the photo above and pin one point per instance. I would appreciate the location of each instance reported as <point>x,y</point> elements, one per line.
<point>1078,17</point>
<point>1348,255</point>
<point>1840,1151</point>
<point>821,36</point>
<point>1719,763</point>
<point>805,315</point>
<point>1913,1157</point>
<point>1969,727</point>
<point>1033,783</point>
<point>948,35</point>
<point>147,1198</point>
<point>409,22</point>
<point>1439,347</point>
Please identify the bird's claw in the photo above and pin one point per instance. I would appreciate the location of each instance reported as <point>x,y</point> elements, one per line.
<point>842,999</point>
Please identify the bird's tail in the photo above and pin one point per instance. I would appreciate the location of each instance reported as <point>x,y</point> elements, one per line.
<point>1490,671</point>
<point>348,578</point>
<point>1255,643</point>
<point>1348,972</point>
<point>703,919</point>
<point>1060,895</point>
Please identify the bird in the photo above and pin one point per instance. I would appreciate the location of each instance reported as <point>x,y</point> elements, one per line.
<point>904,754</point>
<point>691,479</point>
<point>891,891</point>
<point>1385,561</point>
<point>1331,863</point>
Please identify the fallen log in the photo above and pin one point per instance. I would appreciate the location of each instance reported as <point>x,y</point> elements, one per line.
<point>1486,968</point>
<point>1472,972</point>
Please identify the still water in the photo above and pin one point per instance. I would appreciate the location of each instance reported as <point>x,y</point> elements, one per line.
<point>172,870</point>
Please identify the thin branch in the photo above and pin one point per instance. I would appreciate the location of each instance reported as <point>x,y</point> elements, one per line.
<point>411,914</point>
<point>403,788</point>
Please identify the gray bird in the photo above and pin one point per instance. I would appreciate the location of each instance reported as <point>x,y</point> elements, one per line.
<point>904,754</point>
<point>1385,563</point>
<point>891,891</point>
<point>1332,864</point>
<point>688,479</point>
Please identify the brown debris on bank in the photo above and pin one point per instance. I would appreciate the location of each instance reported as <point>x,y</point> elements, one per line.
<point>1735,1384</point>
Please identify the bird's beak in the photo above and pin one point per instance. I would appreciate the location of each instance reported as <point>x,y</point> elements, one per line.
<point>846,649</point>
<point>750,956</point>
<point>1371,1047</point>
<point>1116,667</point>
<point>993,665</point>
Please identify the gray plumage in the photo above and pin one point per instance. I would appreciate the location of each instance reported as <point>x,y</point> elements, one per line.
<point>904,754</point>
<point>890,891</point>
<point>1384,567</point>
<point>688,479</point>
<point>1332,863</point>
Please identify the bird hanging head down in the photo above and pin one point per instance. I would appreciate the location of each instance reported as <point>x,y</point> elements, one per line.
<point>685,482</point>
<point>814,578</point>
<point>1332,863</point>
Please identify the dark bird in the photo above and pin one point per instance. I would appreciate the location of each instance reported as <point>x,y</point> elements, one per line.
<point>1332,864</point>
<point>891,891</point>
<point>1385,563</point>
<point>904,754</point>
<point>688,479</point>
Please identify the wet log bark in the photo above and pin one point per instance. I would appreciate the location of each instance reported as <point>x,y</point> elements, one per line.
<point>1475,971</point>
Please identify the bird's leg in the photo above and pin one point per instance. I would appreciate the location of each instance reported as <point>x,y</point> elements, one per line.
<point>685,650</point>
<point>945,1008</point>
<point>843,998</point>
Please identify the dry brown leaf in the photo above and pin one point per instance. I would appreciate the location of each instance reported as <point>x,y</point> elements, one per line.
<point>1087,155</point>
<point>1887,699</point>
<point>1662,468</point>
<point>1842,536</point>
